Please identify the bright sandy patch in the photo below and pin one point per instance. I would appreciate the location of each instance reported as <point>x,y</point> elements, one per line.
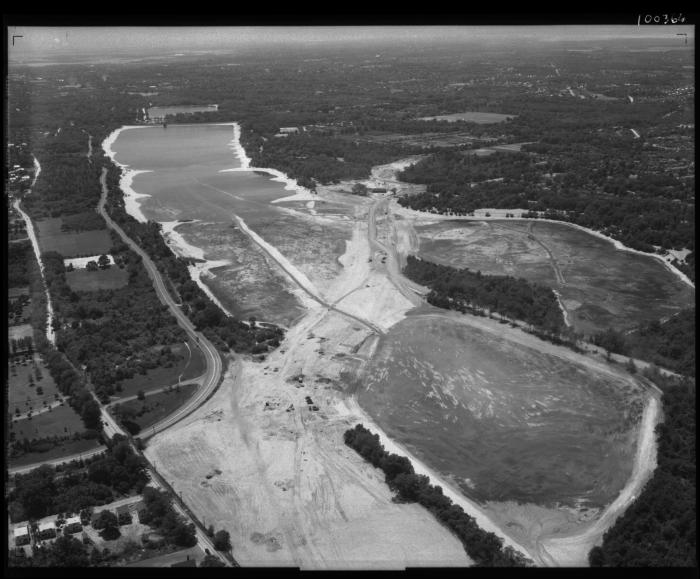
<point>81,262</point>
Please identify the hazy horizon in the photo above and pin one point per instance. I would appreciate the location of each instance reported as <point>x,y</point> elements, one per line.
<point>46,42</point>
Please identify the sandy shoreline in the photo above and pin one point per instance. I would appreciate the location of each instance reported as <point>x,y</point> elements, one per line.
<point>499,214</point>
<point>131,203</point>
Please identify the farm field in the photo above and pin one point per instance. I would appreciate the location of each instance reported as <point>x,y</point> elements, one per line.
<point>501,420</point>
<point>156,406</point>
<point>600,286</point>
<point>84,280</point>
<point>68,244</point>
<point>191,366</point>
<point>471,117</point>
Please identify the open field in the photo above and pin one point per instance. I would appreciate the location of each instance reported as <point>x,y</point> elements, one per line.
<point>59,421</point>
<point>600,286</point>
<point>51,238</point>
<point>191,366</point>
<point>24,396</point>
<point>157,406</point>
<point>84,280</point>
<point>471,117</point>
<point>21,331</point>
<point>483,410</point>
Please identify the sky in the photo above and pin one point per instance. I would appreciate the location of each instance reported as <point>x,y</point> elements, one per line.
<point>45,42</point>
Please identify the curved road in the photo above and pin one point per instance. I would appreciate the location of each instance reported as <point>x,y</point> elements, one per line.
<point>212,375</point>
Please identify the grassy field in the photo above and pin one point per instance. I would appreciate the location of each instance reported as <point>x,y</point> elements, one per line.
<point>51,238</point>
<point>21,331</point>
<point>157,406</point>
<point>23,396</point>
<point>471,117</point>
<point>503,421</point>
<point>84,280</point>
<point>59,421</point>
<point>191,366</point>
<point>600,286</point>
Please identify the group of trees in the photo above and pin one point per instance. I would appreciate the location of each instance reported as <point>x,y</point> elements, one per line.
<point>42,492</point>
<point>659,528</point>
<point>670,343</point>
<point>71,384</point>
<point>160,515</point>
<point>486,549</point>
<point>17,263</point>
<point>465,290</point>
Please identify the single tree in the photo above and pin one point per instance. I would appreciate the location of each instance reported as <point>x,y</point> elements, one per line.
<point>91,266</point>
<point>103,261</point>
<point>222,541</point>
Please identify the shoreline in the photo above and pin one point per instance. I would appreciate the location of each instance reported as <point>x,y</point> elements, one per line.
<point>130,196</point>
<point>180,247</point>
<point>616,243</point>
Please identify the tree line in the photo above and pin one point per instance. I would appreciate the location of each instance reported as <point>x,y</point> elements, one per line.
<point>468,291</point>
<point>486,549</point>
<point>669,343</point>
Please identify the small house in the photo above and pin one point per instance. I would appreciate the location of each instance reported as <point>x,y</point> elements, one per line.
<point>47,530</point>
<point>21,535</point>
<point>73,525</point>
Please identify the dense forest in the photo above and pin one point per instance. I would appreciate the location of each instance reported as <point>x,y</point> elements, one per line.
<point>669,343</point>
<point>313,158</point>
<point>642,212</point>
<point>486,549</point>
<point>468,291</point>
<point>18,256</point>
<point>659,528</point>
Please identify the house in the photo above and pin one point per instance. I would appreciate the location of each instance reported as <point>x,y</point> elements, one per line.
<point>47,530</point>
<point>73,525</point>
<point>21,535</point>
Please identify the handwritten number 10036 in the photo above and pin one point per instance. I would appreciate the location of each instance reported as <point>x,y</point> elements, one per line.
<point>660,19</point>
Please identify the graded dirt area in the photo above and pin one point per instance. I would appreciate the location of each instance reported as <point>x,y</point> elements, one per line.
<point>289,491</point>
